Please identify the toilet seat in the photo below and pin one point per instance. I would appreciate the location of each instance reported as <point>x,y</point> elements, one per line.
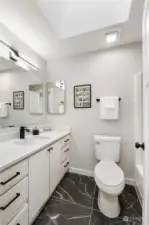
<point>109,177</point>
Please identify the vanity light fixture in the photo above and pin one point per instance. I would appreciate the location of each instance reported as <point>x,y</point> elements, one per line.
<point>4,51</point>
<point>13,54</point>
<point>22,64</point>
<point>112,37</point>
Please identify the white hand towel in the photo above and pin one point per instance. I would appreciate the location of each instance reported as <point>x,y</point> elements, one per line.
<point>3,110</point>
<point>109,108</point>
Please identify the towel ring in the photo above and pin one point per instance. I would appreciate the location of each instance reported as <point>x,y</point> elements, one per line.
<point>98,99</point>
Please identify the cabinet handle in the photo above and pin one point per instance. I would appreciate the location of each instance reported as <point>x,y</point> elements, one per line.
<point>67,150</point>
<point>66,164</point>
<point>7,181</point>
<point>66,140</point>
<point>50,149</point>
<point>6,206</point>
<point>18,224</point>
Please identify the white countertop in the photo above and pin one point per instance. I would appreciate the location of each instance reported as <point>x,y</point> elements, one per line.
<point>15,150</point>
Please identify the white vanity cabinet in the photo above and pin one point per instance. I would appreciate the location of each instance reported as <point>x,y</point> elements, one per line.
<point>38,182</point>
<point>46,169</point>
<point>21,218</point>
<point>27,185</point>
<point>13,192</point>
<point>55,166</point>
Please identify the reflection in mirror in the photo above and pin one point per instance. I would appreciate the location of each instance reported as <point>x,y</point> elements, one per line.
<point>16,75</point>
<point>56,97</point>
<point>36,98</point>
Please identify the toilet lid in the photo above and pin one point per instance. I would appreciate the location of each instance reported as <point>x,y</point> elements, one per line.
<point>109,173</point>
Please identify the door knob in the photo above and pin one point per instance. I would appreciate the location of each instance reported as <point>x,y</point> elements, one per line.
<point>138,145</point>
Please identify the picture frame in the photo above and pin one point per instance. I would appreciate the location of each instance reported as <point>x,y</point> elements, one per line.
<point>18,100</point>
<point>82,96</point>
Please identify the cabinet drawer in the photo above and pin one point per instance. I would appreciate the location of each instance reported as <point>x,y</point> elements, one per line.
<point>65,141</point>
<point>21,218</point>
<point>65,153</point>
<point>11,176</point>
<point>64,167</point>
<point>12,201</point>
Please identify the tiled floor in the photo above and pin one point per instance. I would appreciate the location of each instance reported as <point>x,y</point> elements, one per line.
<point>75,203</point>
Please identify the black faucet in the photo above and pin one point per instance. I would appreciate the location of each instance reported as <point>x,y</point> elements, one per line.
<point>22,132</point>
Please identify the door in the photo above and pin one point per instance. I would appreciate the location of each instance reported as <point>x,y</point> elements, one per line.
<point>38,182</point>
<point>55,175</point>
<point>146,110</point>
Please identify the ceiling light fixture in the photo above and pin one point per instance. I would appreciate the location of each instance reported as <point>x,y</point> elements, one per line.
<point>13,54</point>
<point>112,37</point>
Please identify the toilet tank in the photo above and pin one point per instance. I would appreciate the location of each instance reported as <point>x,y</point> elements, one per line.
<point>107,147</point>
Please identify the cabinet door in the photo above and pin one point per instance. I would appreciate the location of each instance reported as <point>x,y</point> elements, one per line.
<point>55,174</point>
<point>38,182</point>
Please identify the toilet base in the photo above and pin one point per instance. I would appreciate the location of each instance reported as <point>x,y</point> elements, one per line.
<point>108,204</point>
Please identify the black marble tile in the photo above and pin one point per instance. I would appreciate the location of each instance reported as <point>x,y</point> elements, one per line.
<point>75,202</point>
<point>130,205</point>
<point>97,218</point>
<point>60,212</point>
<point>123,221</point>
<point>77,189</point>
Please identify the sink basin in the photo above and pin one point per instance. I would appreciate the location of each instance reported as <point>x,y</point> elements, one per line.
<point>26,141</point>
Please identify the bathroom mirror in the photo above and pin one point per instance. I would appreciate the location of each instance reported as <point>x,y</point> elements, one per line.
<point>56,97</point>
<point>36,98</point>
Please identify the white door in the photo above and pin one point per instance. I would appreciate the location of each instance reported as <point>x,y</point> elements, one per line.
<point>38,182</point>
<point>146,110</point>
<point>55,174</point>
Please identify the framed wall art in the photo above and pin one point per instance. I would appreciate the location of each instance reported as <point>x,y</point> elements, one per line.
<point>18,100</point>
<point>82,96</point>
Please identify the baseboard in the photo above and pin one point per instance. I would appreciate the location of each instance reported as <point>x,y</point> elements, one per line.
<point>81,171</point>
<point>138,193</point>
<point>130,181</point>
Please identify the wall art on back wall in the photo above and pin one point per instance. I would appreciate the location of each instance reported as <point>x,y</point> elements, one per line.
<point>82,96</point>
<point>18,100</point>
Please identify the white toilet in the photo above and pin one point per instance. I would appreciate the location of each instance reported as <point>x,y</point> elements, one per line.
<point>108,176</point>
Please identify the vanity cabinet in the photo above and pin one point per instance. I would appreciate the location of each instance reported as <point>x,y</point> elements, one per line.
<point>26,186</point>
<point>55,166</point>
<point>13,192</point>
<point>21,218</point>
<point>46,169</point>
<point>38,182</point>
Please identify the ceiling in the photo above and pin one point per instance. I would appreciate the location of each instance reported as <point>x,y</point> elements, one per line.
<point>131,31</point>
<point>70,18</point>
<point>71,30</point>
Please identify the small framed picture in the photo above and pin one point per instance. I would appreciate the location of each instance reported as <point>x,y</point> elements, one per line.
<point>18,100</point>
<point>82,96</point>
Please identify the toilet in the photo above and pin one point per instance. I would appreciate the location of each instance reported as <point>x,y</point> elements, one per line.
<point>108,176</point>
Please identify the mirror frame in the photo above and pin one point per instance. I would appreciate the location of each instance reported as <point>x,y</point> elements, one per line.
<point>48,102</point>
<point>42,101</point>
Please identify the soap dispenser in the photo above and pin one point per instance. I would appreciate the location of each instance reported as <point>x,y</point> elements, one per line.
<point>35,131</point>
<point>22,132</point>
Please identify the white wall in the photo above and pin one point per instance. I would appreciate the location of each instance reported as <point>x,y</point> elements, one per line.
<point>91,15</point>
<point>110,73</point>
